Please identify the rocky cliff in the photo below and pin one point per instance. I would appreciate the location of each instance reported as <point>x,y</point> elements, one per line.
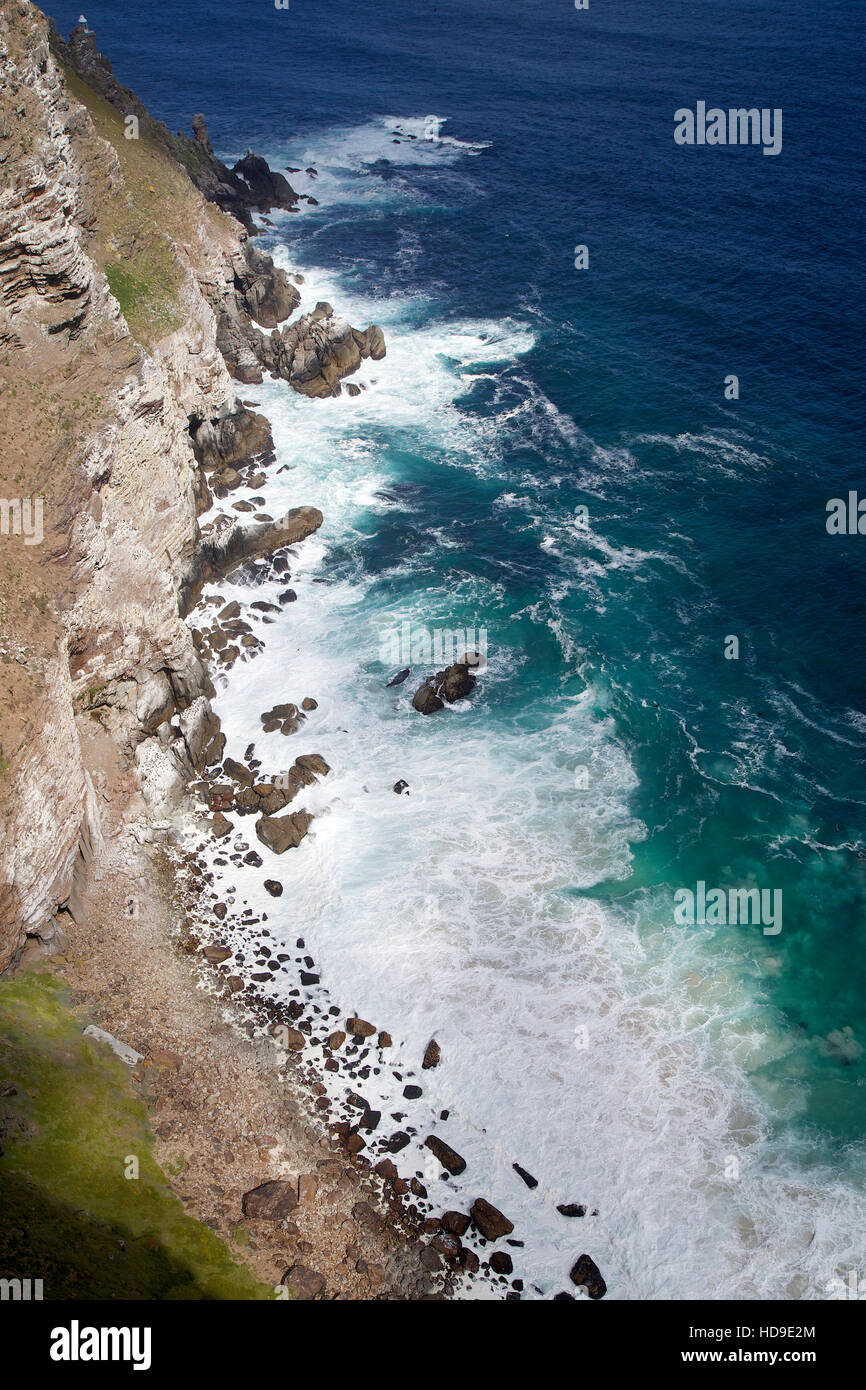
<point>130,301</point>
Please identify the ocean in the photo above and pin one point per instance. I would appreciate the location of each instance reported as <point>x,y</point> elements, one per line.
<point>674,687</point>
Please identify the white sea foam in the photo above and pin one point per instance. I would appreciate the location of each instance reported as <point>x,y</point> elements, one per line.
<point>464,909</point>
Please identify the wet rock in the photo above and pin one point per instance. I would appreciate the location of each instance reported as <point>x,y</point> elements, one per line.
<point>587,1275</point>
<point>360,1028</point>
<point>501,1263</point>
<point>401,787</point>
<point>280,833</point>
<point>308,703</point>
<point>425,700</point>
<point>469,1261</point>
<point>400,677</point>
<point>456,1222</point>
<point>451,1160</point>
<point>432,1055</point>
<point>237,772</point>
<point>271,1201</point>
<point>386,1168</point>
<point>220,826</point>
<point>571,1209</point>
<point>447,1244</point>
<point>385,1040</point>
<point>454,683</point>
<point>336,1040</point>
<point>274,887</point>
<point>527,1177</point>
<point>489,1220</point>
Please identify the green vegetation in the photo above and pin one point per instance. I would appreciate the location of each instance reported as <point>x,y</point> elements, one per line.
<point>71,1216</point>
<point>140,224</point>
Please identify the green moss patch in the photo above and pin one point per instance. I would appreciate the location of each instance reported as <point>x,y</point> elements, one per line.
<point>69,1214</point>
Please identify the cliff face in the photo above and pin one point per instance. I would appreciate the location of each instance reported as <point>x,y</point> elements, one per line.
<point>111,267</point>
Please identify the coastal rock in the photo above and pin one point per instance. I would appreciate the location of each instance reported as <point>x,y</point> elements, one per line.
<point>238,772</point>
<point>271,1201</point>
<point>451,1160</point>
<point>303,1283</point>
<point>425,699</point>
<point>457,1222</point>
<point>527,1177</point>
<point>317,350</point>
<point>586,1274</point>
<point>223,550</point>
<point>280,833</point>
<point>360,1028</point>
<point>489,1220</point>
<point>432,1055</point>
<point>454,683</point>
<point>571,1209</point>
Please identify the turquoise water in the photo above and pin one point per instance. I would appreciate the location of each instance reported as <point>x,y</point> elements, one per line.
<point>612,753</point>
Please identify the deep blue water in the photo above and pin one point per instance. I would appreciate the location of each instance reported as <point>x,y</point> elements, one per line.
<point>707,516</point>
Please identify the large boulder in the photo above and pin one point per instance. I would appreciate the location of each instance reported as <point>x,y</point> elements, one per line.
<point>489,1220</point>
<point>454,683</point>
<point>272,1201</point>
<point>280,833</point>
<point>425,699</point>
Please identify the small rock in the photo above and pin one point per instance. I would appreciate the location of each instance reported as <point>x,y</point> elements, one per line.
<point>527,1177</point>
<point>432,1055</point>
<point>501,1262</point>
<point>586,1274</point>
<point>274,887</point>
<point>217,954</point>
<point>359,1028</point>
<point>571,1209</point>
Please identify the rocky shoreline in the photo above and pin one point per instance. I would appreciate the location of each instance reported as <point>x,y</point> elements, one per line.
<point>112,752</point>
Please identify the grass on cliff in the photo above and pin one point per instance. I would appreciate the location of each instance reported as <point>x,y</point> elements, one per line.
<point>69,1215</point>
<point>140,223</point>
